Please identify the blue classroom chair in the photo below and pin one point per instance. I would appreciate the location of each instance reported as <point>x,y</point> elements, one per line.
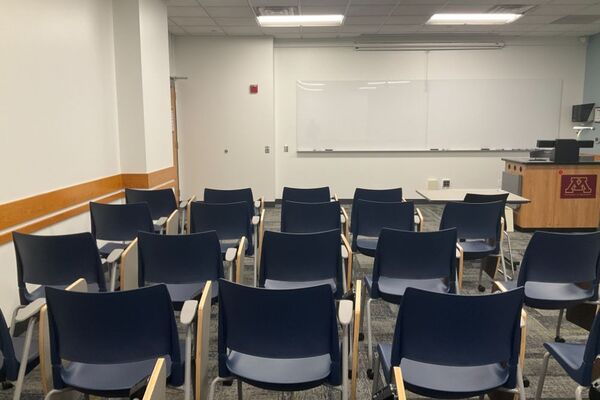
<point>282,340</point>
<point>451,346</point>
<point>478,227</point>
<point>184,263</point>
<point>577,359</point>
<point>19,354</point>
<point>162,204</point>
<point>118,225</point>
<point>370,217</point>
<point>56,261</point>
<point>403,259</point>
<point>383,196</point>
<point>297,217</point>
<point>112,340</point>
<point>560,270</point>
<point>293,260</point>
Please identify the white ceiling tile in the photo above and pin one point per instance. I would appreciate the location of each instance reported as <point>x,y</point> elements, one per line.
<point>364,20</point>
<point>190,21</point>
<point>203,30</point>
<point>593,10</point>
<point>312,10</point>
<point>275,31</point>
<point>242,30</point>
<point>535,19</point>
<point>175,30</point>
<point>223,2</point>
<point>233,12</point>
<point>236,21</point>
<point>362,29</point>
<point>378,10</point>
<point>323,2</point>
<point>186,12</point>
<point>288,36</point>
<point>395,29</point>
<point>373,2</point>
<point>587,2</point>
<point>560,10</point>
<point>319,29</point>
<point>421,9</point>
<point>465,8</point>
<point>275,3</point>
<point>423,2</point>
<point>408,19</point>
<point>319,35</point>
<point>182,3</point>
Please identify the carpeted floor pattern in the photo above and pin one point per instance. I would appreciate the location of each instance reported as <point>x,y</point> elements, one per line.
<point>541,326</point>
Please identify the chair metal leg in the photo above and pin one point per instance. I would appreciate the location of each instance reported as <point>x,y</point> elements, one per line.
<point>557,338</point>
<point>371,370</point>
<point>538,393</point>
<point>24,357</point>
<point>479,285</point>
<point>11,330</point>
<point>231,267</point>
<point>254,277</point>
<point>213,384</point>
<point>187,385</point>
<point>56,391</point>
<point>239,389</point>
<point>520,383</point>
<point>578,391</point>
<point>510,256</point>
<point>503,263</point>
<point>345,363</point>
<point>363,301</point>
<point>113,276</point>
<point>376,376</point>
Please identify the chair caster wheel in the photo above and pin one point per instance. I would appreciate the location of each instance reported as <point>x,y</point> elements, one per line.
<point>526,382</point>
<point>370,373</point>
<point>558,339</point>
<point>361,337</point>
<point>228,383</point>
<point>481,288</point>
<point>7,385</point>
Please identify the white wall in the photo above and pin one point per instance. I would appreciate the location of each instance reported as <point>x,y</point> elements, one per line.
<point>217,112</point>
<point>57,95</point>
<point>344,172</point>
<point>58,99</point>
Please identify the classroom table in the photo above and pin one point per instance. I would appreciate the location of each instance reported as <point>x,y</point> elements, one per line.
<point>449,195</point>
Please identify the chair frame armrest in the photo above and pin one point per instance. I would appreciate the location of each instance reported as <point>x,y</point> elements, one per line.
<point>184,203</point>
<point>345,223</point>
<point>461,265</point>
<point>189,311</point>
<point>349,260</point>
<point>161,221</point>
<point>421,219</point>
<point>188,214</point>
<point>114,256</point>
<point>239,259</point>
<point>345,310</point>
<point>230,254</point>
<point>344,252</point>
<point>355,334</point>
<point>398,383</point>
<point>30,310</point>
<point>128,270</point>
<point>255,220</point>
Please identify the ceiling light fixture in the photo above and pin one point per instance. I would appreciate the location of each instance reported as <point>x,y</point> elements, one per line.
<point>473,19</point>
<point>286,21</point>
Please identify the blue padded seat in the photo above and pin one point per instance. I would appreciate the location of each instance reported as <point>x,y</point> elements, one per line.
<point>367,244</point>
<point>392,289</point>
<point>56,261</point>
<point>275,284</point>
<point>184,263</point>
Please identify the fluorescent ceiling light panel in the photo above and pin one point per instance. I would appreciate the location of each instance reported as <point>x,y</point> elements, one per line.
<point>367,88</point>
<point>284,21</point>
<point>473,19</point>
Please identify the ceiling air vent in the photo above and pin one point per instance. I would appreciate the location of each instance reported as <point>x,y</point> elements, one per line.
<point>276,10</point>
<point>510,9</point>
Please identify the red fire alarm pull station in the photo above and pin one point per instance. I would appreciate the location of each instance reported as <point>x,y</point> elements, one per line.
<point>253,89</point>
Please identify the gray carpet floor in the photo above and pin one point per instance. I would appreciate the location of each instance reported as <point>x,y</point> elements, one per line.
<point>541,325</point>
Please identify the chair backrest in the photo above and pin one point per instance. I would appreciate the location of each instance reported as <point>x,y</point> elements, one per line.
<point>9,367</point>
<point>120,222</point>
<point>310,217</point>
<point>162,202</point>
<point>179,258</point>
<point>485,198</point>
<point>416,255</point>
<point>453,330</point>
<point>372,216</point>
<point>380,195</point>
<point>306,195</point>
<point>111,328</point>
<point>229,220</point>
<point>562,258</point>
<point>284,323</point>
<point>56,260</point>
<point>219,196</point>
<point>302,257</point>
<point>473,220</point>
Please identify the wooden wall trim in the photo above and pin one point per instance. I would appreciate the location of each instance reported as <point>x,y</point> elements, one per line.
<point>102,190</point>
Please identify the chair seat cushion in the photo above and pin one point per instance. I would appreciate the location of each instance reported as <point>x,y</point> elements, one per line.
<point>280,373</point>
<point>180,292</point>
<point>553,296</point>
<point>476,249</point>
<point>443,381</point>
<point>276,284</point>
<point>108,380</point>
<point>392,289</point>
<point>367,245</point>
<point>570,357</point>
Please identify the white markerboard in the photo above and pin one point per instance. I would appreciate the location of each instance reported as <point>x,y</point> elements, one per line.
<point>405,115</point>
